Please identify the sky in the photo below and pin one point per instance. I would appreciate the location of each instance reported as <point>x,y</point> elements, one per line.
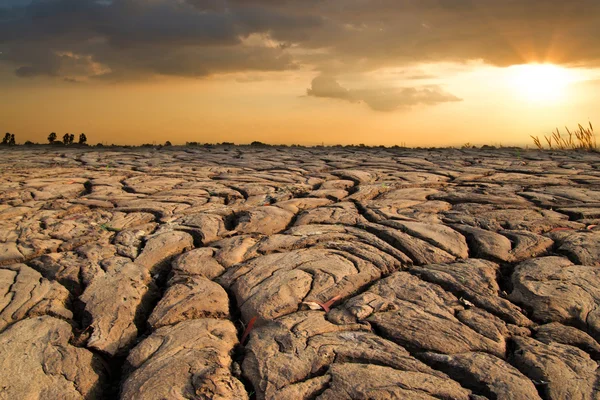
<point>377,72</point>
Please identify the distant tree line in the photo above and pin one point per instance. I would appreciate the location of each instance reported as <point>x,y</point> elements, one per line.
<point>67,139</point>
<point>193,144</point>
<point>9,139</point>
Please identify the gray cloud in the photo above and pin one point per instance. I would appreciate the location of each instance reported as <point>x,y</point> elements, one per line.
<point>380,99</point>
<point>327,86</point>
<point>127,39</point>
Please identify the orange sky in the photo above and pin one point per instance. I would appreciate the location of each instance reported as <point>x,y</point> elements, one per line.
<point>277,111</point>
<point>311,75</point>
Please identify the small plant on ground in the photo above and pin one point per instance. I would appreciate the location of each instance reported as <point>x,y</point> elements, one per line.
<point>583,138</point>
<point>108,228</point>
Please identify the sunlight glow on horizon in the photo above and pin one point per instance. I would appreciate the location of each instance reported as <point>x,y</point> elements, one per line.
<point>273,108</point>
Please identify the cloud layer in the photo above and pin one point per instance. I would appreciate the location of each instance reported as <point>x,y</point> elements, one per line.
<point>127,39</point>
<point>380,99</point>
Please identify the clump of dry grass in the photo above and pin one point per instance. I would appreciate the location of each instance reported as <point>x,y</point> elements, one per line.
<point>583,139</point>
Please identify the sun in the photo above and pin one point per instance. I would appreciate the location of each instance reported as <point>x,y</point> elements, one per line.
<point>540,83</point>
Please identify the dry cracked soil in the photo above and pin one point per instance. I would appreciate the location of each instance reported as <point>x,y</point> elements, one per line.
<point>354,273</point>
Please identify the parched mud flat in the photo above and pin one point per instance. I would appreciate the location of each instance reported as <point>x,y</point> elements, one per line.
<point>364,273</point>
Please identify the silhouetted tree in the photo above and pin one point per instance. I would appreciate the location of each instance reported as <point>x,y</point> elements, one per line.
<point>29,143</point>
<point>11,141</point>
<point>6,138</point>
<point>66,137</point>
<point>167,143</point>
<point>71,138</point>
<point>51,137</point>
<point>82,139</point>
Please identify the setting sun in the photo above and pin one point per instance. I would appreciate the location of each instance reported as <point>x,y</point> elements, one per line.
<point>540,82</point>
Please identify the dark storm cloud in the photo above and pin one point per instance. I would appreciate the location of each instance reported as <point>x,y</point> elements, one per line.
<point>131,38</point>
<point>380,99</point>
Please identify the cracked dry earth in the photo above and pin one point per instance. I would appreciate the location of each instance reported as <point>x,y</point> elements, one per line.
<point>365,274</point>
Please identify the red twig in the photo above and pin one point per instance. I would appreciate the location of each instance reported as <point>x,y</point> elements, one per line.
<point>561,229</point>
<point>326,306</point>
<point>248,329</point>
